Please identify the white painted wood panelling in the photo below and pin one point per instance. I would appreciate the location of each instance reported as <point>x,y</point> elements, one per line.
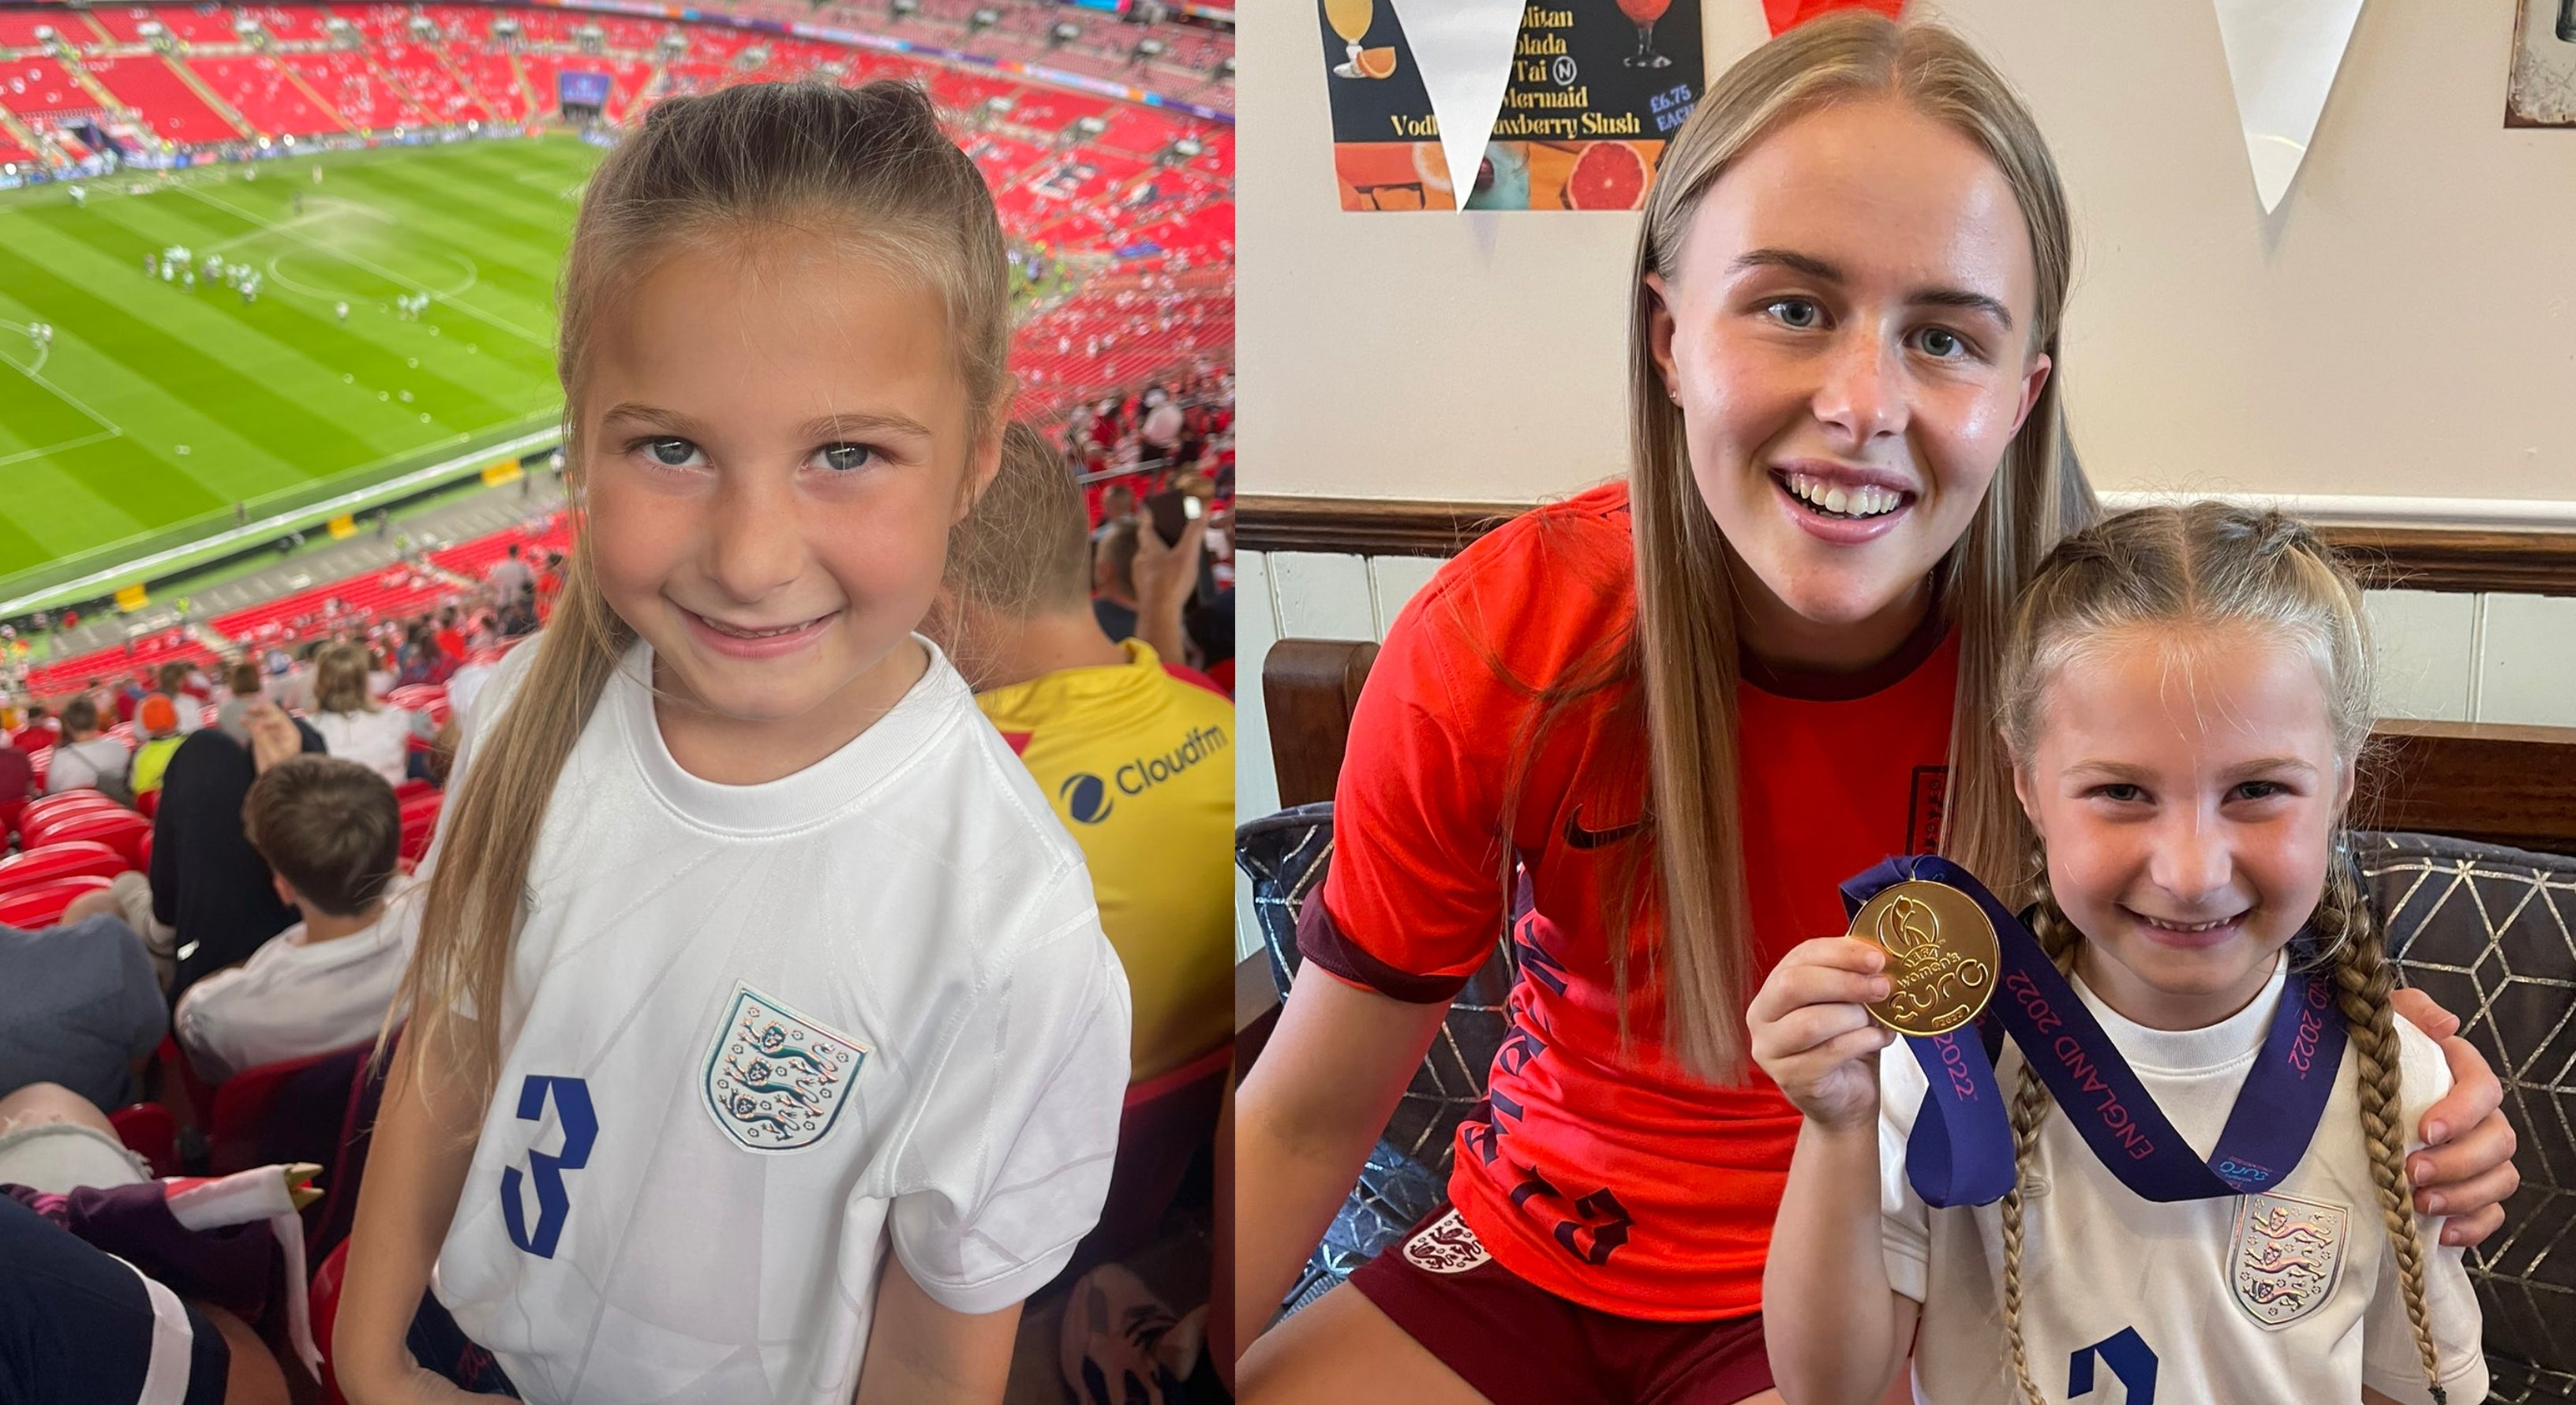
<point>1256,628</point>
<point>2527,660</point>
<point>2426,642</point>
<point>1322,597</point>
<point>1256,786</point>
<point>1399,579</point>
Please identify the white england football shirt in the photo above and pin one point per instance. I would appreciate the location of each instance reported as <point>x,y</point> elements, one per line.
<point>754,1035</point>
<point>2291,1295</point>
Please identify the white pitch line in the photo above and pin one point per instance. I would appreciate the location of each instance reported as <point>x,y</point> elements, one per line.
<point>377,269</point>
<point>338,207</point>
<point>51,449</point>
<point>68,398</point>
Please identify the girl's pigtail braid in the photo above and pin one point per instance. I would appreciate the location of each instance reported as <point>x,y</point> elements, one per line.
<point>2363,977</point>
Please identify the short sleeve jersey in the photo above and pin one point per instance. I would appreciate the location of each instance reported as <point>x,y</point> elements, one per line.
<point>1140,766</point>
<point>755,1036</point>
<point>1496,725</point>
<point>2289,1295</point>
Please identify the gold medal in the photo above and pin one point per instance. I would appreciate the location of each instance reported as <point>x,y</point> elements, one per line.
<point>1942,955</point>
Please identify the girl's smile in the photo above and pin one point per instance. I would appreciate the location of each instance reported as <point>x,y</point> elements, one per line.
<point>753,641</point>
<point>1845,504</point>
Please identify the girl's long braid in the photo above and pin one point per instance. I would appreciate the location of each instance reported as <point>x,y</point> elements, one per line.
<point>2058,938</point>
<point>2363,977</point>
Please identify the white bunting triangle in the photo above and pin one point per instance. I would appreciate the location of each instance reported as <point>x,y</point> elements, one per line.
<point>1463,49</point>
<point>2281,57</point>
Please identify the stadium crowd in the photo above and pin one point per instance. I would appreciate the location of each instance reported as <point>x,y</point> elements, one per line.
<point>212,896</point>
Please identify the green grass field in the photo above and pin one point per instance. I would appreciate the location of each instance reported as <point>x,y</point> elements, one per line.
<point>156,409</point>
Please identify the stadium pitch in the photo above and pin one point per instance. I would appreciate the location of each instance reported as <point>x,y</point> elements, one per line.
<point>155,408</point>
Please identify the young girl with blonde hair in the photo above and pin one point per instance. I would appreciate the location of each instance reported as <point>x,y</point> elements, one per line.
<point>355,724</point>
<point>763,1043</point>
<point>2185,698</point>
<point>1686,705</point>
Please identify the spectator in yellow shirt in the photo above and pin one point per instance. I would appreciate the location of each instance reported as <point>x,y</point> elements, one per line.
<point>1138,759</point>
<point>158,720</point>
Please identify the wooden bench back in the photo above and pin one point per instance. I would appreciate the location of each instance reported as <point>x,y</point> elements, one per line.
<point>2492,782</point>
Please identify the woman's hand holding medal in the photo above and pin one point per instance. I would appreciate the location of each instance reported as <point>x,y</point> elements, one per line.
<point>1812,1031</point>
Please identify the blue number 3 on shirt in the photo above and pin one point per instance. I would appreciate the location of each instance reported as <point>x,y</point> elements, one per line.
<point>580,1129</point>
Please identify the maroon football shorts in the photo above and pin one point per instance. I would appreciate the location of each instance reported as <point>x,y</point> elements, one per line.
<point>1518,1344</point>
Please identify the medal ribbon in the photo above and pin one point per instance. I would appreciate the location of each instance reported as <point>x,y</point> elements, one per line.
<point>1961,1152</point>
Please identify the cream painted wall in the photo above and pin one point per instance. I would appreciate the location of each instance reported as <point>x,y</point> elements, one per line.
<point>2404,325</point>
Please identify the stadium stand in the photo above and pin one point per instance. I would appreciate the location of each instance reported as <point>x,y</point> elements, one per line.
<point>383,67</point>
<point>66,675</point>
<point>472,559</point>
<point>394,591</point>
<point>266,97</point>
<point>353,91</point>
<point>126,23</point>
<point>36,86</point>
<point>163,100</point>
<point>24,29</point>
<point>296,24</point>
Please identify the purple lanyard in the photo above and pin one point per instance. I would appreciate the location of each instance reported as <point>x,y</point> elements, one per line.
<point>1961,1150</point>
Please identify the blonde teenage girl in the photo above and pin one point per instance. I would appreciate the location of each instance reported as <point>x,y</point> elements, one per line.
<point>763,1044</point>
<point>2183,698</point>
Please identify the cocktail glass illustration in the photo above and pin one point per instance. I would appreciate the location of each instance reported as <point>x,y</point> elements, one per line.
<point>1643,13</point>
<point>1351,18</point>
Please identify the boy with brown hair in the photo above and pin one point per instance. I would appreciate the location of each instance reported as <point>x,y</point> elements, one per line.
<point>329,829</point>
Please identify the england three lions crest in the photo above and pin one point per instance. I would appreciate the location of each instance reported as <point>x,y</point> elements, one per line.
<point>776,1080</point>
<point>1446,1246</point>
<point>2286,1257</point>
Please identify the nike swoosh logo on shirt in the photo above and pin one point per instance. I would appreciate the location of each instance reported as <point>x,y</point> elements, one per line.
<point>1581,838</point>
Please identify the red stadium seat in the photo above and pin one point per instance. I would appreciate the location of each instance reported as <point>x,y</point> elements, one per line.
<point>43,904</point>
<point>413,697</point>
<point>66,803</point>
<point>200,1093</point>
<point>118,828</point>
<point>325,1301</point>
<point>328,1221</point>
<point>419,825</point>
<point>147,805</point>
<point>70,858</point>
<point>291,1109</point>
<point>149,1131</point>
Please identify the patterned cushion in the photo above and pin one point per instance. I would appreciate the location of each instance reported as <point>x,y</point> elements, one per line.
<point>2489,932</point>
<point>1408,1172</point>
